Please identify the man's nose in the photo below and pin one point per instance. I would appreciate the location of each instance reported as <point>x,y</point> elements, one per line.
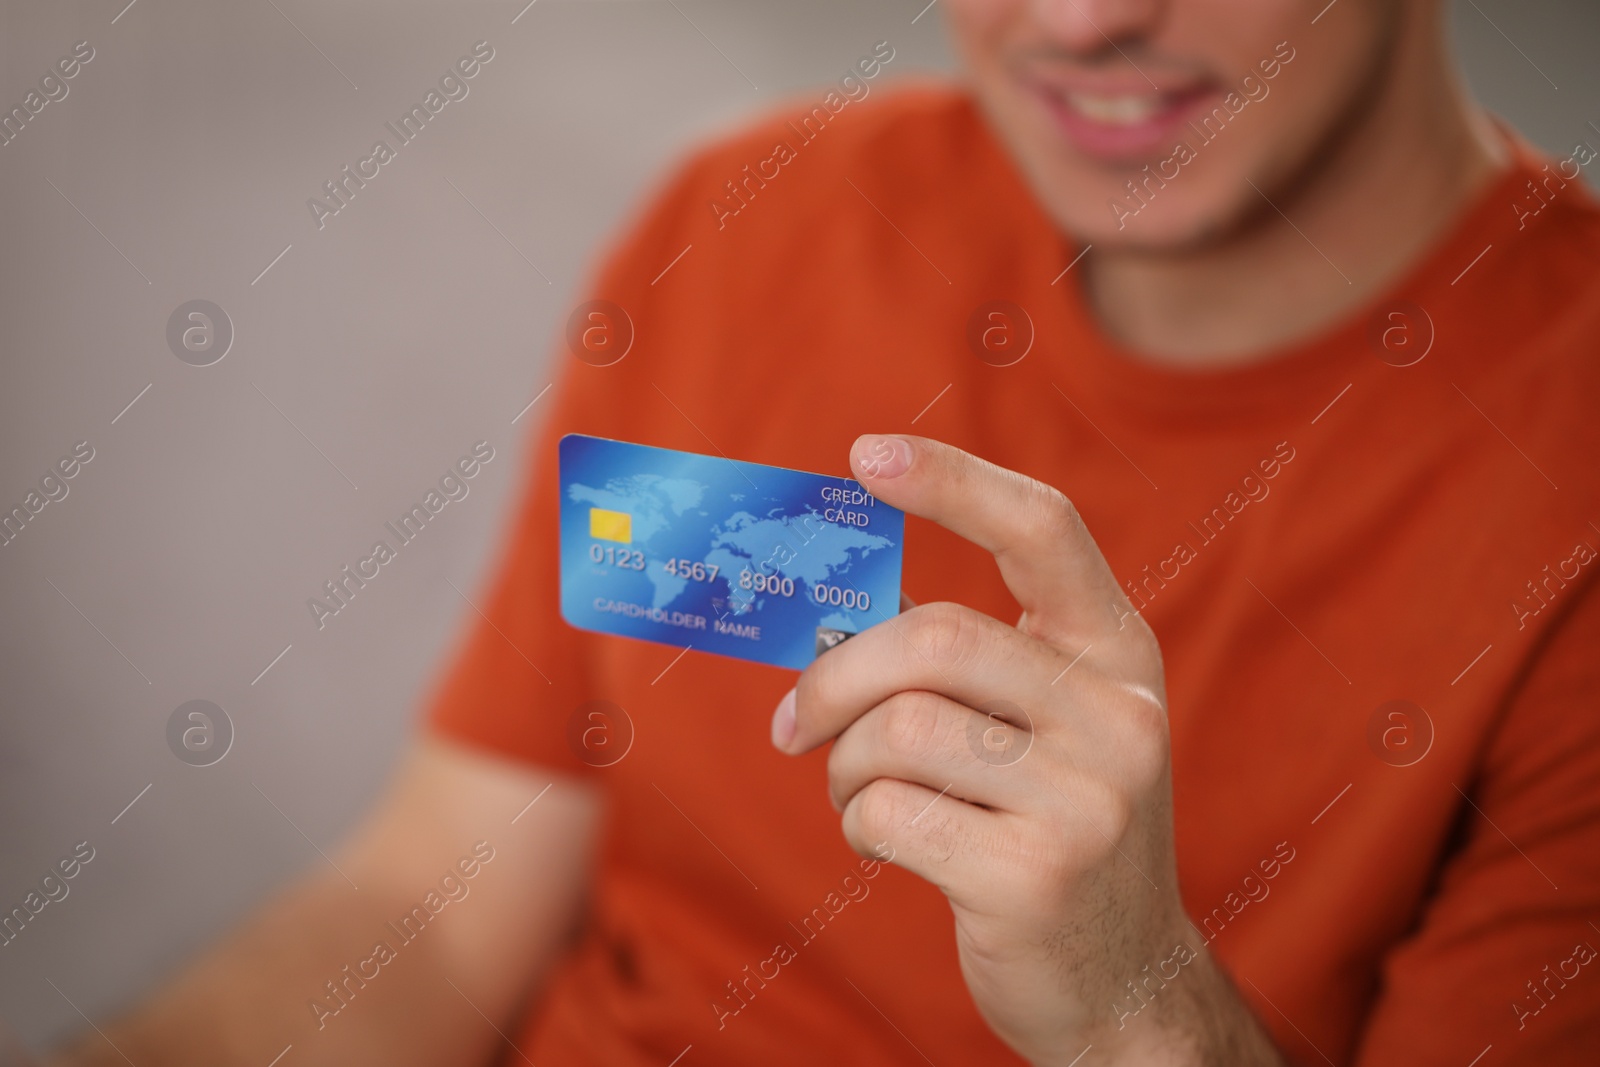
<point>1089,26</point>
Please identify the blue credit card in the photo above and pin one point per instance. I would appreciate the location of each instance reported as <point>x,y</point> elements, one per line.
<point>703,552</point>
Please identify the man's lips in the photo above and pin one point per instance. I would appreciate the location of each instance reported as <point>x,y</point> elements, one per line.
<point>1120,123</point>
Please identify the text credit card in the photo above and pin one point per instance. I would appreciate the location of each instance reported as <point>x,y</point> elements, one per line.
<point>741,559</point>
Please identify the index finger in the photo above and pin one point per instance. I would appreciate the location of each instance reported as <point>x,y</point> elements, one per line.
<point>1047,558</point>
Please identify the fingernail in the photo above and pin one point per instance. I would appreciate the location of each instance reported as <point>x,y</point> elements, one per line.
<point>884,457</point>
<point>783,722</point>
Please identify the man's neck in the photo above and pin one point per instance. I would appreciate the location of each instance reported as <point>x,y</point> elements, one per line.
<point>1389,189</point>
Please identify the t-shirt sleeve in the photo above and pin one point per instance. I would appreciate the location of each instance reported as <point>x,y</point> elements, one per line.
<point>521,673</point>
<point>1504,957</point>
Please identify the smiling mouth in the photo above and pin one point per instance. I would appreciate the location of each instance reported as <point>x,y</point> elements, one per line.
<point>1123,110</point>
<point>1118,125</point>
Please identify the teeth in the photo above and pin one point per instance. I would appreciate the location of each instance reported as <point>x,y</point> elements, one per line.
<point>1116,110</point>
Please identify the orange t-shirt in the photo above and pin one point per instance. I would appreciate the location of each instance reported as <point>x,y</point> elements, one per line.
<point>1312,537</point>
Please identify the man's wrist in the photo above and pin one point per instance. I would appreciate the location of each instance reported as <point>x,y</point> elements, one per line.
<point>1182,1011</point>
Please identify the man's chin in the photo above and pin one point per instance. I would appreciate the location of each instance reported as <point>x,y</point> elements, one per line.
<point>1174,227</point>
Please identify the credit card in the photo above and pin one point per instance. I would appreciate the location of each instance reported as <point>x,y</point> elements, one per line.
<point>718,555</point>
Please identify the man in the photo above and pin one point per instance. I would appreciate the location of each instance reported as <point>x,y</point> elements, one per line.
<point>1248,714</point>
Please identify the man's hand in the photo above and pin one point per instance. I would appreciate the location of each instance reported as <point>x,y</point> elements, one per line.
<point>1024,771</point>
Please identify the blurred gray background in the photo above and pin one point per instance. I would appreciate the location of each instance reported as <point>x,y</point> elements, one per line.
<point>366,360</point>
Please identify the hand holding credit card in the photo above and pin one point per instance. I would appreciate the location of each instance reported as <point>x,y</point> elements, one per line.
<point>741,559</point>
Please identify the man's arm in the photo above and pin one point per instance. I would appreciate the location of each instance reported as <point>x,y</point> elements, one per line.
<point>494,934</point>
